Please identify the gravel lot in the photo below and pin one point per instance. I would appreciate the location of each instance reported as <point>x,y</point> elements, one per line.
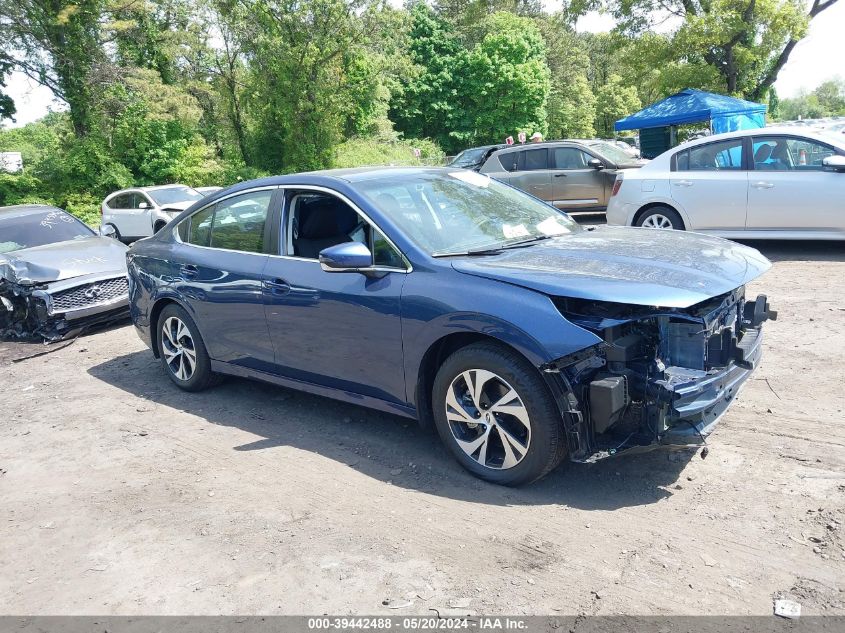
<point>122,495</point>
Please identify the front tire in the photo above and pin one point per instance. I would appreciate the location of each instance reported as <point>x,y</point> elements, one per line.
<point>661,218</point>
<point>496,415</point>
<point>182,351</point>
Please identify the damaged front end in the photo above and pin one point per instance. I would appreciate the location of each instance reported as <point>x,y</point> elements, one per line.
<point>56,310</point>
<point>660,376</point>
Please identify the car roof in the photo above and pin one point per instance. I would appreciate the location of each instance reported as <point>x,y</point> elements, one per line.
<point>149,188</point>
<point>787,130</point>
<point>357,174</point>
<point>558,143</point>
<point>18,210</point>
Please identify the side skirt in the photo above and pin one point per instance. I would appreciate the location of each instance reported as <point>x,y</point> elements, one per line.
<point>319,390</point>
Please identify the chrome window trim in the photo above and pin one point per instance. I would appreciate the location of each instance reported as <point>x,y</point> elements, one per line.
<point>409,267</point>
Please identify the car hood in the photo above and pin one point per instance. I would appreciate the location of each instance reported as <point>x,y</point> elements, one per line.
<point>63,260</point>
<point>178,206</point>
<point>670,269</point>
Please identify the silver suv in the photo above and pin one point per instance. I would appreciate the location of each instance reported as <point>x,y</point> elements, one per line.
<point>143,211</point>
<point>571,175</point>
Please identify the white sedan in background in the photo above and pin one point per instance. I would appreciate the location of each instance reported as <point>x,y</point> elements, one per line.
<point>778,183</point>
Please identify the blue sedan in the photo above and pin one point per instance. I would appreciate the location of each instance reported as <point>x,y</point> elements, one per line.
<point>445,296</point>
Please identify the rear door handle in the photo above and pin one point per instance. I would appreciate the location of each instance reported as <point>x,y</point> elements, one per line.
<point>277,286</point>
<point>560,175</point>
<point>683,183</point>
<point>761,184</point>
<point>188,271</point>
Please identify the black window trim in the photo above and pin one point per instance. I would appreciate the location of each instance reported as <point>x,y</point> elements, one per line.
<point>270,245</point>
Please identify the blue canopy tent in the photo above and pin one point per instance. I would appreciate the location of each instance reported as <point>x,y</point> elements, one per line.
<point>725,114</point>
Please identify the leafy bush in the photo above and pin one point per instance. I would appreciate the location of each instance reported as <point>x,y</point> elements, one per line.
<point>361,152</point>
<point>84,206</point>
<point>21,188</point>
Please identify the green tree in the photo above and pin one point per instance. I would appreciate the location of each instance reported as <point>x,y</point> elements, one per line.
<point>614,100</point>
<point>745,42</point>
<point>424,103</point>
<point>831,96</point>
<point>57,43</point>
<point>571,103</point>
<point>504,83</point>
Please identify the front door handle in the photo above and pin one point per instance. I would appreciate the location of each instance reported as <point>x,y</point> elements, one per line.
<point>560,175</point>
<point>763,185</point>
<point>277,286</point>
<point>683,183</point>
<point>188,271</point>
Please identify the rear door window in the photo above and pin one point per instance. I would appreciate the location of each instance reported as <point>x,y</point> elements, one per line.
<point>533,159</point>
<point>239,222</point>
<point>509,160</point>
<point>721,156</point>
<point>123,201</point>
<point>199,231</point>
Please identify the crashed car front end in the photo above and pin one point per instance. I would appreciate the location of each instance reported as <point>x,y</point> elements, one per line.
<point>57,309</point>
<point>660,376</point>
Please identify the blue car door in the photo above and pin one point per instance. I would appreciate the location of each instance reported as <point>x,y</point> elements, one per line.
<point>220,271</point>
<point>336,329</point>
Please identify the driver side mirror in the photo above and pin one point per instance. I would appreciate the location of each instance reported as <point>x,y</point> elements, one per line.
<point>835,163</point>
<point>143,205</point>
<point>107,230</point>
<point>349,257</point>
<point>595,163</point>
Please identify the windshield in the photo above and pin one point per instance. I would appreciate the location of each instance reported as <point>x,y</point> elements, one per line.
<point>453,212</point>
<point>38,229</point>
<point>469,157</point>
<point>615,154</point>
<point>174,194</point>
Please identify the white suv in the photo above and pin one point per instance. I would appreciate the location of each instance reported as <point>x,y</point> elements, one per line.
<point>143,211</point>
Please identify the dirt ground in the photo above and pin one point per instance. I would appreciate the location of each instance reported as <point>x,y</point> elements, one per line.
<point>119,494</point>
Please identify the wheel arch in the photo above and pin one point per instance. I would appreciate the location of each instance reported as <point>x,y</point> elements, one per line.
<point>155,312</point>
<point>436,355</point>
<point>659,203</point>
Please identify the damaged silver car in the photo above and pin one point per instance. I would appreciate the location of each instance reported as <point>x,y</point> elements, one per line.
<point>57,276</point>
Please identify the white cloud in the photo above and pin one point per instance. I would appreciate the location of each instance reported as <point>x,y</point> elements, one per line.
<point>32,100</point>
<point>817,57</point>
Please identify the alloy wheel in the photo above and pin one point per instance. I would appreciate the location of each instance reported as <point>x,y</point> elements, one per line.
<point>178,348</point>
<point>488,419</point>
<point>657,221</point>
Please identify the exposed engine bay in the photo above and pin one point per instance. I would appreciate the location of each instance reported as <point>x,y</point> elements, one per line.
<point>660,376</point>
<point>52,312</point>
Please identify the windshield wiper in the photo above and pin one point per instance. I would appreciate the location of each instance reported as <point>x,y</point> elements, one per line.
<point>507,245</point>
<point>498,248</point>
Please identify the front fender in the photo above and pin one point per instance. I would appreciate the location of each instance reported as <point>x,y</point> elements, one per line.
<point>523,319</point>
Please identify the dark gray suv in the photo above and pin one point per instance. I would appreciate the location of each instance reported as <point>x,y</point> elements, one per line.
<point>571,175</point>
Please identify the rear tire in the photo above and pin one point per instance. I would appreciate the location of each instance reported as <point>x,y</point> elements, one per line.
<point>661,217</point>
<point>496,415</point>
<point>182,351</point>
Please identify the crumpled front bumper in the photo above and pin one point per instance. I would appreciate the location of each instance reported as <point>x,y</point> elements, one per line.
<point>696,405</point>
